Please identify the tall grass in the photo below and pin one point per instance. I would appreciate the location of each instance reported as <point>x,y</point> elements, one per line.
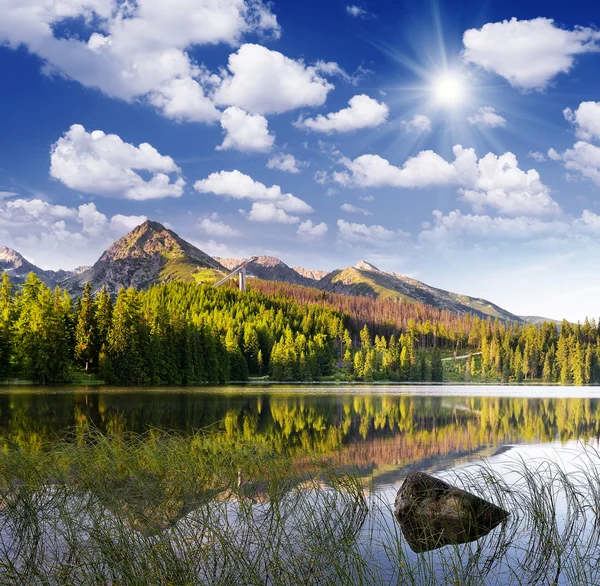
<point>206,509</point>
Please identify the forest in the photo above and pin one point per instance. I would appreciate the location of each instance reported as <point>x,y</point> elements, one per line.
<point>182,333</point>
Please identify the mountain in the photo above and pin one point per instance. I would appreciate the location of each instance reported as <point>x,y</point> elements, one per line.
<point>149,254</point>
<point>152,254</point>
<point>314,275</point>
<point>268,268</point>
<point>365,279</point>
<point>537,320</point>
<point>18,267</point>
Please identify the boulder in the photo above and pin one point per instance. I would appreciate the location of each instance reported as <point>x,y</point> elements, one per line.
<point>433,513</point>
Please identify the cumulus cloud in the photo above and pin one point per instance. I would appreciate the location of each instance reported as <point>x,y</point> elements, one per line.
<point>216,228</point>
<point>352,209</point>
<point>486,117</point>
<point>583,158</point>
<point>426,169</point>
<point>137,50</point>
<point>309,231</point>
<point>285,162</point>
<point>528,53</point>
<point>103,164</point>
<point>268,212</point>
<point>363,112</point>
<point>241,186</point>
<point>374,235</point>
<point>291,84</point>
<point>586,120</point>
<point>419,124</point>
<point>245,132</point>
<point>456,227</point>
<point>58,236</point>
<point>492,181</point>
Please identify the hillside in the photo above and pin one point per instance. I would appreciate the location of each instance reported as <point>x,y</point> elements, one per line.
<point>152,254</point>
<point>365,279</point>
<point>149,254</point>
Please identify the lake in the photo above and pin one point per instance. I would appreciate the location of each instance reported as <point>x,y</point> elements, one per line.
<point>381,432</point>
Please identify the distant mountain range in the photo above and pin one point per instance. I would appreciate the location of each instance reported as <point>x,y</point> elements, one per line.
<point>151,254</point>
<point>19,267</point>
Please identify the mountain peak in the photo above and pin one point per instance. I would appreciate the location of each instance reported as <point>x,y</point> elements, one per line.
<point>146,240</point>
<point>150,226</point>
<point>10,255</point>
<point>363,265</point>
<point>149,254</point>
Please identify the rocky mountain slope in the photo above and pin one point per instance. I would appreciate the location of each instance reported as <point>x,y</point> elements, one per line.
<point>149,254</point>
<point>315,275</point>
<point>365,279</point>
<point>152,254</point>
<point>18,267</point>
<point>268,268</point>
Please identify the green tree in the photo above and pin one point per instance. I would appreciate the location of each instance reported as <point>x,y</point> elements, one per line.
<point>86,342</point>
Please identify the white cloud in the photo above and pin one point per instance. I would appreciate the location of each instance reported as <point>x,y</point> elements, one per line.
<point>374,235</point>
<point>456,227</point>
<point>586,120</point>
<point>536,156</point>
<point>356,11</point>
<point>486,117</point>
<point>219,229</point>
<point>367,197</point>
<point>285,162</point>
<point>528,53</point>
<point>492,181</point>
<point>364,112</point>
<point>419,123</point>
<point>426,169</point>
<point>103,164</point>
<point>240,186</point>
<point>321,177</point>
<point>267,82</point>
<point>183,99</point>
<point>309,231</point>
<point>352,209</point>
<point>57,236</point>
<point>268,212</point>
<point>584,158</point>
<point>245,132</point>
<point>137,49</point>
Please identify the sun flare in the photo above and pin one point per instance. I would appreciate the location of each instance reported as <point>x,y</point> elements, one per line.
<point>449,90</point>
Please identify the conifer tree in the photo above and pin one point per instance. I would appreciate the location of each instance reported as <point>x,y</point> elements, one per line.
<point>86,340</point>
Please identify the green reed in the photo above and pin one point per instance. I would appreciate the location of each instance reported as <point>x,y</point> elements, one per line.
<point>167,509</point>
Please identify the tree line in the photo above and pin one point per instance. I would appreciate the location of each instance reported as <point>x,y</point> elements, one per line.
<point>182,333</point>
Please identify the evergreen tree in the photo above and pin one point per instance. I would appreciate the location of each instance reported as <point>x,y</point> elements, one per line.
<point>86,341</point>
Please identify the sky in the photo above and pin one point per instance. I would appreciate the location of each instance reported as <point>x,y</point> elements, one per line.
<point>456,142</point>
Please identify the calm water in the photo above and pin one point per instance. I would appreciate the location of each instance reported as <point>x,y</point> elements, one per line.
<point>383,431</point>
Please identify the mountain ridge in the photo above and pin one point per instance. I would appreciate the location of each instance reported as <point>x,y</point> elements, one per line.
<point>18,267</point>
<point>151,253</point>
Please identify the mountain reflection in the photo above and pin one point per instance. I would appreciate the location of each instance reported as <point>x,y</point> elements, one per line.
<point>378,434</point>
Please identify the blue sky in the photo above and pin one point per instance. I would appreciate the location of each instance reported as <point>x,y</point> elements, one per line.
<point>454,142</point>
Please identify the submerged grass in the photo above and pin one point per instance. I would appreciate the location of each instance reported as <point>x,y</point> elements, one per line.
<point>208,509</point>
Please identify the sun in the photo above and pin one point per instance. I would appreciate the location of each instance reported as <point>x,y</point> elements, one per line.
<point>449,90</point>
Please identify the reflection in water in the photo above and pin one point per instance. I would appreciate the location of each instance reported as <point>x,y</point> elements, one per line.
<point>376,433</point>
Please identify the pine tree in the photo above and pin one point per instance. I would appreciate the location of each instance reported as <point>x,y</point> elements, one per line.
<point>86,343</point>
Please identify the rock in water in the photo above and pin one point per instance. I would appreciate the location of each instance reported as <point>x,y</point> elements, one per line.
<point>433,513</point>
